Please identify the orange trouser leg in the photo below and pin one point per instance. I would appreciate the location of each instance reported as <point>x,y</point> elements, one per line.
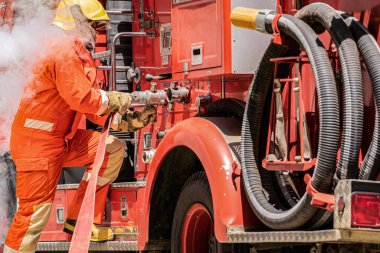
<point>36,184</point>
<point>82,150</point>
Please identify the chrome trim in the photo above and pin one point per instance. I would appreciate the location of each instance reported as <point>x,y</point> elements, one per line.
<point>107,246</point>
<point>67,186</point>
<point>138,184</point>
<point>236,235</point>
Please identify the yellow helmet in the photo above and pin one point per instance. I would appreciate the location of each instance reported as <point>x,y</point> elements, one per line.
<point>92,10</point>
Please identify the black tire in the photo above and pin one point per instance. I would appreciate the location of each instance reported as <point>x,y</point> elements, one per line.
<point>197,191</point>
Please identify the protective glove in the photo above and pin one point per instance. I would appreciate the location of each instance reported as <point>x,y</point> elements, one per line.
<point>118,102</point>
<point>149,113</point>
<point>135,120</point>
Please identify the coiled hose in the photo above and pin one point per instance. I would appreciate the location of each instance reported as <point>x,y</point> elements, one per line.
<point>322,15</point>
<point>353,112</point>
<point>260,89</point>
<point>370,52</point>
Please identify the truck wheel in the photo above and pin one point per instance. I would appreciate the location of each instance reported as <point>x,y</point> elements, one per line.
<point>193,222</point>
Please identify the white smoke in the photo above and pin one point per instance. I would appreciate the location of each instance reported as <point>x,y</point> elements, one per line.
<point>20,48</point>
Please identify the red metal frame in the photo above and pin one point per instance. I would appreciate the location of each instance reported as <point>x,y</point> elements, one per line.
<point>288,164</point>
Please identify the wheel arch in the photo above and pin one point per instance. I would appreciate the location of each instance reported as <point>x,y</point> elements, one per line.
<point>203,144</point>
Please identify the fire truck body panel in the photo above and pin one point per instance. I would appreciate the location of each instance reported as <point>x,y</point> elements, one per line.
<point>193,44</point>
<point>221,51</point>
<point>211,146</point>
<point>147,51</point>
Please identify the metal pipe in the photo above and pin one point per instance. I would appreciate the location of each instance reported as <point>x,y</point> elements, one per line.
<point>158,97</point>
<point>118,68</point>
<point>136,151</point>
<point>113,52</point>
<point>141,16</point>
<point>150,77</point>
<point>120,12</point>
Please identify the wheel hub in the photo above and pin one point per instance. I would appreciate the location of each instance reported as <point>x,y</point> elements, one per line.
<point>197,230</point>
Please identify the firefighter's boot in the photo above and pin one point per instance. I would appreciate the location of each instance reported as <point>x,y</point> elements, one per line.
<point>98,234</point>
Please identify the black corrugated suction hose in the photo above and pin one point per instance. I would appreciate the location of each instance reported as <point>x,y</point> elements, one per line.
<point>370,52</point>
<point>353,111</point>
<point>320,15</point>
<point>253,124</point>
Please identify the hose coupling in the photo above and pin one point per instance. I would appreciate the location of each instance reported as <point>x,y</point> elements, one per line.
<point>156,97</point>
<point>178,95</point>
<point>249,18</point>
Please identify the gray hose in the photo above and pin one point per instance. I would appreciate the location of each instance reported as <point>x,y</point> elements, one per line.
<point>259,93</point>
<point>370,52</point>
<point>353,112</point>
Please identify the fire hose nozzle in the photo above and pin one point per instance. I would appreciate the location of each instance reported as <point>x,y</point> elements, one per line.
<point>248,18</point>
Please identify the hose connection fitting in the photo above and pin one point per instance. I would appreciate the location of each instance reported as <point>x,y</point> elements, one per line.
<point>178,95</point>
<point>253,19</point>
<point>143,98</point>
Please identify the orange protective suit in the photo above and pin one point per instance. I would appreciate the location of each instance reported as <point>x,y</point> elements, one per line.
<point>45,138</point>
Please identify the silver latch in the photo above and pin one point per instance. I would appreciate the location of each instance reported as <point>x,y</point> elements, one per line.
<point>147,140</point>
<point>60,215</point>
<point>123,207</point>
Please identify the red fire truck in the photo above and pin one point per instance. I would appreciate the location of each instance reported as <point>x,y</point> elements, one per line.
<point>267,137</point>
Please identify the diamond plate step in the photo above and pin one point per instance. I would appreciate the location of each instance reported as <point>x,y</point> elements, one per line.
<point>235,235</point>
<point>106,246</point>
<point>138,184</point>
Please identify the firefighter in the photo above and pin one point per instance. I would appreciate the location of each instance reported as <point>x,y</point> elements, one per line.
<point>45,135</point>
